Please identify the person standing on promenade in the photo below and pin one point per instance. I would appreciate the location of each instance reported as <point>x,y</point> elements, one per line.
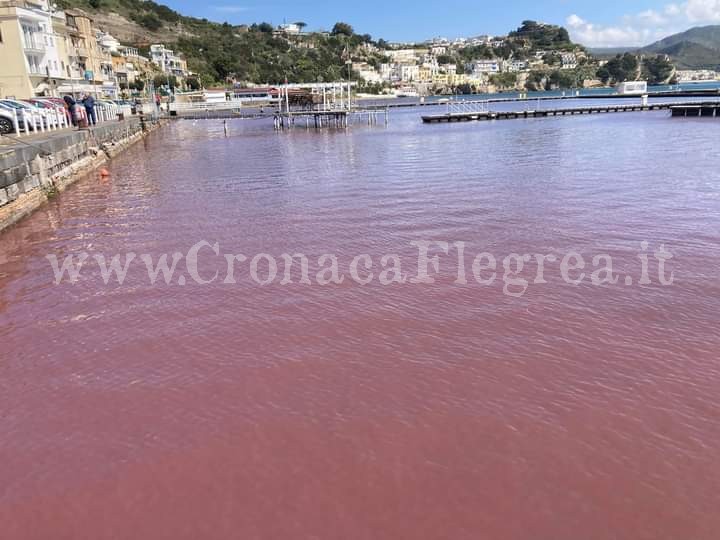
<point>70,104</point>
<point>89,103</point>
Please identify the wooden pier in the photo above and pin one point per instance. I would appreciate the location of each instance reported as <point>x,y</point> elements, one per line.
<point>319,119</point>
<point>328,106</point>
<point>697,109</point>
<point>466,116</point>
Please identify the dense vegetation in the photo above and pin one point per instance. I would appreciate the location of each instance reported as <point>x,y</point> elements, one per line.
<point>221,52</point>
<point>218,52</point>
<point>538,36</point>
<point>627,67</point>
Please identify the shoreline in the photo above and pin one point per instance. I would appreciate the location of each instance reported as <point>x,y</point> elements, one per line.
<point>34,171</point>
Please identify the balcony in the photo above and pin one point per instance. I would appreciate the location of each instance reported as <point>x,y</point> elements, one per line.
<point>33,45</point>
<point>82,52</point>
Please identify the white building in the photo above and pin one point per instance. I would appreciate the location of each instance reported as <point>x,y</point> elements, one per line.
<point>367,72</point>
<point>569,61</point>
<point>409,72</point>
<point>517,65</point>
<point>696,75</point>
<point>405,55</point>
<point>39,41</point>
<point>108,42</point>
<point>168,61</point>
<point>484,66</point>
<point>632,87</point>
<point>450,69</point>
<point>290,28</point>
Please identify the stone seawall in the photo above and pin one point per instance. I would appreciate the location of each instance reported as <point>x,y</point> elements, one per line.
<point>35,168</point>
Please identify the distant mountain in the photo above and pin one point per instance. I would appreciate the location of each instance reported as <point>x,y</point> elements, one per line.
<point>697,48</point>
<point>608,52</point>
<point>707,36</point>
<point>688,55</point>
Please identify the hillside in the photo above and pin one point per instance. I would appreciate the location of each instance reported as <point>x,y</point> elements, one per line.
<point>697,48</point>
<point>687,55</point>
<point>217,51</point>
<point>706,36</point>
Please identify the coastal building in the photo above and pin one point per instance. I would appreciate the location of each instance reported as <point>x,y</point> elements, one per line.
<point>569,61</point>
<point>696,75</point>
<point>484,66</point>
<point>290,29</point>
<point>409,72</point>
<point>517,65</point>
<point>87,56</point>
<point>367,72</point>
<point>31,61</point>
<point>632,87</point>
<point>389,72</point>
<point>406,56</point>
<point>168,62</point>
<point>129,66</point>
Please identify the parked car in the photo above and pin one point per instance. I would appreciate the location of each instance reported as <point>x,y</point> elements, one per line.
<point>35,110</point>
<point>7,119</point>
<point>52,103</point>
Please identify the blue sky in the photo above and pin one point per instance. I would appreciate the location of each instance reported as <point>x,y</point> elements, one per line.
<point>593,23</point>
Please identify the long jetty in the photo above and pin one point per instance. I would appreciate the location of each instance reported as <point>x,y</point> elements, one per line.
<point>466,116</point>
<point>370,103</point>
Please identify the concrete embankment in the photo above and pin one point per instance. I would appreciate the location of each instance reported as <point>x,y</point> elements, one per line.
<point>34,168</point>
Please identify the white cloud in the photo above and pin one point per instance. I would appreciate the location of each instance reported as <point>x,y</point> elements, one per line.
<point>703,11</point>
<point>645,27</point>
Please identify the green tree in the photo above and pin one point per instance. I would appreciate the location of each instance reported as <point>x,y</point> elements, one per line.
<point>657,69</point>
<point>343,29</point>
<point>504,80</point>
<point>161,80</point>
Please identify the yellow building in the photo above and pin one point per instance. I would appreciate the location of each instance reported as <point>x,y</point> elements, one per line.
<point>88,58</point>
<point>425,74</point>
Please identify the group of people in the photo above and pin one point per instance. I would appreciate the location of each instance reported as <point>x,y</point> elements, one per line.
<point>88,102</point>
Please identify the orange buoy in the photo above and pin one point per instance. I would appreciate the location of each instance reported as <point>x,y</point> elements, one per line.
<point>104,172</point>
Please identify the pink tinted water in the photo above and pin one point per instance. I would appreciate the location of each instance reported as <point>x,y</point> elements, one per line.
<point>409,411</point>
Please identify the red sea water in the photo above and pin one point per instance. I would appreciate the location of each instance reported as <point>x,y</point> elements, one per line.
<point>419,411</point>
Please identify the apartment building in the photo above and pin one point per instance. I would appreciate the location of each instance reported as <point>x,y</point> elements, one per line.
<point>168,62</point>
<point>32,55</point>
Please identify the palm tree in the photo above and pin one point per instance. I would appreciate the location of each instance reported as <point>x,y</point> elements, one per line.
<point>301,25</point>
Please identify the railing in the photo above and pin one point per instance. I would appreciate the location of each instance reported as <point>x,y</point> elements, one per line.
<point>462,107</point>
<point>26,120</point>
<point>39,120</point>
<point>32,44</point>
<point>203,106</point>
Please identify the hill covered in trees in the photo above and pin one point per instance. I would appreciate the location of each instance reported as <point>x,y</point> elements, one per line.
<point>697,48</point>
<point>216,51</point>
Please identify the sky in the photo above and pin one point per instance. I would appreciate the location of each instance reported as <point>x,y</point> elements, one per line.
<point>596,23</point>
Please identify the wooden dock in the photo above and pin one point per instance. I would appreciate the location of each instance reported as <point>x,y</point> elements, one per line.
<point>466,116</point>
<point>696,109</point>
